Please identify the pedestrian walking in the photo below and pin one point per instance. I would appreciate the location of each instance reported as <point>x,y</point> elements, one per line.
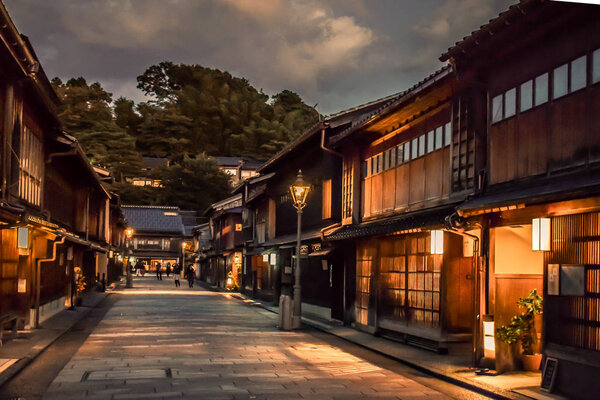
<point>190,274</point>
<point>176,275</point>
<point>138,267</point>
<point>158,271</point>
<point>168,269</point>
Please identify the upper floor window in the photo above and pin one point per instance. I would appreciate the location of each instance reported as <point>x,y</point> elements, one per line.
<point>510,103</point>
<point>596,66</point>
<point>560,81</point>
<point>541,89</point>
<point>31,167</point>
<point>526,96</point>
<point>417,147</point>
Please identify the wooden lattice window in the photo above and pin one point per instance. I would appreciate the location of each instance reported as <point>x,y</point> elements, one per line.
<point>347,190</point>
<point>30,167</point>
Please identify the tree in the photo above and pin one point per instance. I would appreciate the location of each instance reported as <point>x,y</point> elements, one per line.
<point>193,183</point>
<point>85,112</point>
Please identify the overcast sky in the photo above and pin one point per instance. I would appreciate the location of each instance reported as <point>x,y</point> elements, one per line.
<point>337,53</point>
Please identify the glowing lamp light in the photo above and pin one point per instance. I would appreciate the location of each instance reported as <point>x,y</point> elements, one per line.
<point>540,234</point>
<point>129,232</point>
<point>229,281</point>
<point>299,191</point>
<point>437,242</point>
<point>489,345</point>
<point>22,238</point>
<point>265,258</point>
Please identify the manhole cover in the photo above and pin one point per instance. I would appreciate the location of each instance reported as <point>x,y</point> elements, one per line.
<point>149,373</point>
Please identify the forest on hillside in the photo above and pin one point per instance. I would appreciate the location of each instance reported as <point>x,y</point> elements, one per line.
<point>194,112</point>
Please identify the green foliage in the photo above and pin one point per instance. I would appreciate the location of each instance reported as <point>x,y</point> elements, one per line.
<point>521,327</point>
<point>85,113</point>
<point>194,112</point>
<point>193,183</point>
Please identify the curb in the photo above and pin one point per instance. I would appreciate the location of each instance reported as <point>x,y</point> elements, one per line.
<point>480,389</point>
<point>23,362</point>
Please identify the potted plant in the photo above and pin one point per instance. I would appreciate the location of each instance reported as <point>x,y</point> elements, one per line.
<point>79,285</point>
<point>522,328</point>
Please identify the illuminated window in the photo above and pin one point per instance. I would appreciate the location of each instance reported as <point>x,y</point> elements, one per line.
<point>31,165</point>
<point>238,227</point>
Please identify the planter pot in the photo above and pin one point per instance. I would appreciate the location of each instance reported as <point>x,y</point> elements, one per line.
<point>531,362</point>
<point>78,301</point>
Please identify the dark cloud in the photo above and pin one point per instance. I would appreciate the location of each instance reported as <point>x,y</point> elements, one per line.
<point>338,53</point>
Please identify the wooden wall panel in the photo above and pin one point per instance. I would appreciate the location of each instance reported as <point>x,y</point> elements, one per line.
<point>594,134</point>
<point>417,180</point>
<point>376,194</point>
<point>402,186</point>
<point>389,189</point>
<point>435,174</point>
<point>446,165</point>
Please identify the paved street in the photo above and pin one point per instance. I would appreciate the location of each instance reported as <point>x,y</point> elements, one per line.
<point>160,342</point>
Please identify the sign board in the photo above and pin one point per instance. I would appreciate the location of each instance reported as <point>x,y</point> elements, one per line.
<point>324,265</point>
<point>549,374</point>
<point>265,258</point>
<point>303,250</point>
<point>553,280</point>
<point>468,246</point>
<point>287,269</point>
<point>22,286</point>
<point>572,280</point>
<point>273,259</point>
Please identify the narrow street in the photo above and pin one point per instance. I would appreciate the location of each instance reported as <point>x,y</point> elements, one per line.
<point>160,342</point>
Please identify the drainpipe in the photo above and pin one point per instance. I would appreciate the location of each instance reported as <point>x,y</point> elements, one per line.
<point>6,136</point>
<point>71,152</point>
<point>38,273</point>
<point>324,127</point>
<point>476,292</point>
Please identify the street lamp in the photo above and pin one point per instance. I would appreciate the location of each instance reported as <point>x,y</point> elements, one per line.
<point>299,192</point>
<point>128,234</point>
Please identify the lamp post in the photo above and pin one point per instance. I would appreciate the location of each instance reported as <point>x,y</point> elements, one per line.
<point>128,234</point>
<point>299,192</point>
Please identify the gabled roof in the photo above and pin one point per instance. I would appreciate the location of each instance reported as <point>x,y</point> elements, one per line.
<point>393,103</point>
<point>495,25</point>
<point>334,120</point>
<point>153,219</point>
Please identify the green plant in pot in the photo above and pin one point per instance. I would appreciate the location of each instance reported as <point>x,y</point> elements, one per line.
<point>521,329</point>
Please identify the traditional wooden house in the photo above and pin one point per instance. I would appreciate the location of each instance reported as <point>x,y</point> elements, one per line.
<point>158,234</point>
<point>222,261</point>
<point>405,168</point>
<point>539,64</point>
<point>54,211</point>
<point>270,219</point>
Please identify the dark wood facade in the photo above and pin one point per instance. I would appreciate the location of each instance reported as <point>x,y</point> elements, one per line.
<point>540,65</point>
<point>49,191</point>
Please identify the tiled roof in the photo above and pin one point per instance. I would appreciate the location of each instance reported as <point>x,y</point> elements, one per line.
<point>235,162</point>
<point>413,220</point>
<point>392,102</point>
<point>153,219</point>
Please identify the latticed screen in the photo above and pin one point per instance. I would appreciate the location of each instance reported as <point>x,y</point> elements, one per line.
<point>30,164</point>
<point>410,280</point>
<point>575,320</point>
<point>347,190</point>
<point>365,257</point>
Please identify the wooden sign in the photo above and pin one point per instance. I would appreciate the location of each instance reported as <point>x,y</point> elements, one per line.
<point>22,286</point>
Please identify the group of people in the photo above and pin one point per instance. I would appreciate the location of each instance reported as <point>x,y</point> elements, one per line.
<point>189,272</point>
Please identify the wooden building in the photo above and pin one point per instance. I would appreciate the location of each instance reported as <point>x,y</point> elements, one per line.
<point>54,211</point>
<point>158,234</point>
<point>405,168</point>
<point>223,258</point>
<point>270,219</point>
<point>539,64</point>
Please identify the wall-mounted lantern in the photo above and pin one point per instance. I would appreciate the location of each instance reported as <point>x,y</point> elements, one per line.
<point>23,241</point>
<point>437,242</point>
<point>265,258</point>
<point>540,234</point>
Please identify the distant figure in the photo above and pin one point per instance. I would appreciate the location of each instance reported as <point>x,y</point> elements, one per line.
<point>168,269</point>
<point>158,271</point>
<point>190,275</point>
<point>138,267</point>
<point>176,275</point>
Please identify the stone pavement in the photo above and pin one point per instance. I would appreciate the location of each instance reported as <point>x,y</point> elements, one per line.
<point>18,352</point>
<point>158,342</point>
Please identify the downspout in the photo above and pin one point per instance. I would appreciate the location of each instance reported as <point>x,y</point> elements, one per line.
<point>324,127</point>
<point>38,274</point>
<point>476,292</point>
<point>6,136</point>
<point>71,152</point>
<point>87,216</point>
